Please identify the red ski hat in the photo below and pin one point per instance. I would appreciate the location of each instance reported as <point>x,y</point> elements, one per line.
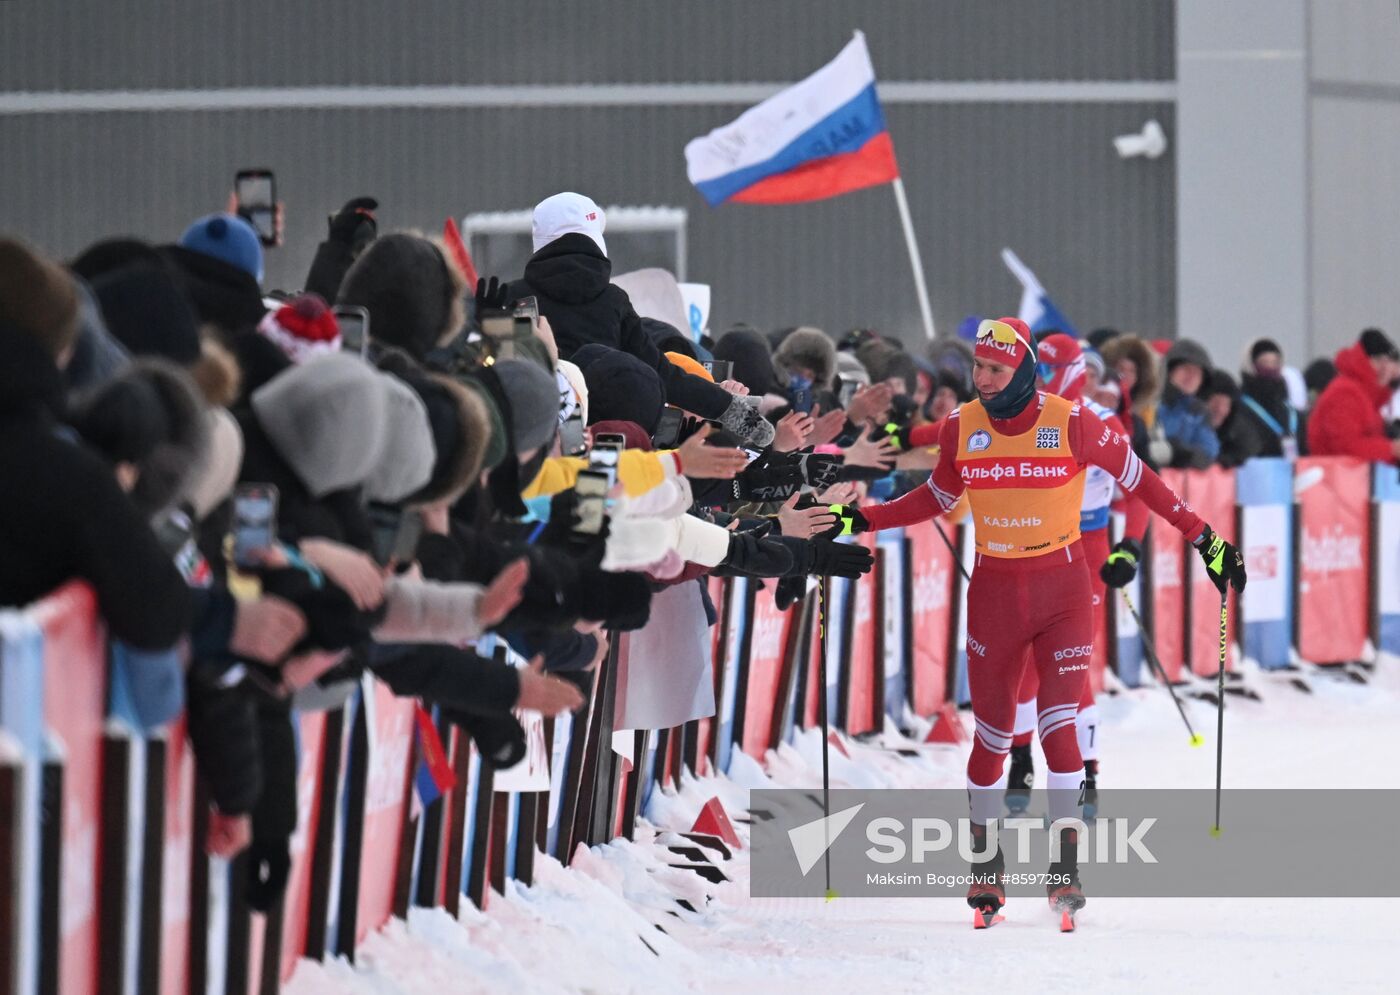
<point>302,328</point>
<point>1062,368</point>
<point>1003,340</point>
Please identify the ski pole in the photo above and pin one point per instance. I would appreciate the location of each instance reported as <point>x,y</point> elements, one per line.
<point>949,543</point>
<point>1220,712</point>
<point>1158,670</point>
<point>825,724</point>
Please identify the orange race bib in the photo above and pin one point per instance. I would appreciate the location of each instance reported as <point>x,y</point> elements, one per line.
<point>1025,490</point>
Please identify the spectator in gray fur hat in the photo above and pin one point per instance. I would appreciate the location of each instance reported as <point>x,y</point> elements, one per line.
<point>807,353</point>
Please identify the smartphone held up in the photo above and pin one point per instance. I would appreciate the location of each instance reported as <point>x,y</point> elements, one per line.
<point>255,191</point>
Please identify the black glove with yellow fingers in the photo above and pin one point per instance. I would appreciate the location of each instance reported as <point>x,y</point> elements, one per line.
<point>1224,561</point>
<point>849,521</point>
<point>1121,566</point>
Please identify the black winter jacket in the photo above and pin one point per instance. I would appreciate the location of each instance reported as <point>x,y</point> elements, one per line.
<point>1243,436</point>
<point>1271,394</point>
<point>570,279</point>
<point>63,516</point>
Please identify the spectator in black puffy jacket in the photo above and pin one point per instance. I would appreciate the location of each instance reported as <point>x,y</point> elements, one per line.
<point>570,275</point>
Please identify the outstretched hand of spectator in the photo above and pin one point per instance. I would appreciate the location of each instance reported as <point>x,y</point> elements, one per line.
<point>869,402</point>
<point>734,387</point>
<point>877,454</point>
<point>503,593</point>
<point>845,492</point>
<point>825,427</point>
<point>351,570</point>
<point>265,630</point>
<point>792,431</point>
<point>700,461</point>
<point>543,693</point>
<point>803,523</point>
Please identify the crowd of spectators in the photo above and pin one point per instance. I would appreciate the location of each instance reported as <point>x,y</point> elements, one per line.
<point>268,503</point>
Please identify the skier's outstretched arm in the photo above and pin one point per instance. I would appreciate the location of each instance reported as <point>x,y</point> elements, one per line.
<point>1094,442</point>
<point>935,498</point>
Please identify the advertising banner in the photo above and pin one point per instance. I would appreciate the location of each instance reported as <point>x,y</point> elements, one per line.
<point>1264,488</point>
<point>931,615</point>
<point>1333,564</point>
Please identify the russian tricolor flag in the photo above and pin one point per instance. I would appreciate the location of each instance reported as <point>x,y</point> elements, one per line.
<point>819,138</point>
<point>434,775</point>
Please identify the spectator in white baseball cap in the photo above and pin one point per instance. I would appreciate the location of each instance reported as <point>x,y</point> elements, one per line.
<point>568,213</point>
<point>570,277</point>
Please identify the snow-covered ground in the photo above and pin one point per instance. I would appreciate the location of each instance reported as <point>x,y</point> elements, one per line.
<point>593,927</point>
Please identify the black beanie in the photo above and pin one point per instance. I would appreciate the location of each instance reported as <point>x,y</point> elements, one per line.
<point>1263,347</point>
<point>147,311</point>
<point>1319,374</point>
<point>1375,342</point>
<point>1101,335</point>
<point>1219,382</point>
<point>124,421</point>
<point>621,387</point>
<point>752,359</point>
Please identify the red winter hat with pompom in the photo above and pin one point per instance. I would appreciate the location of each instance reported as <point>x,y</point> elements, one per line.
<point>302,328</point>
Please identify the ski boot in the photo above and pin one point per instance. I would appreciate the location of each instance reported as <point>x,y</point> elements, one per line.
<point>1091,789</point>
<point>1020,780</point>
<point>987,894</point>
<point>1062,888</point>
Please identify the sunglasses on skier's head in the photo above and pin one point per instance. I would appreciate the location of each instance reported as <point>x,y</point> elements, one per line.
<point>999,331</point>
<point>1001,336</point>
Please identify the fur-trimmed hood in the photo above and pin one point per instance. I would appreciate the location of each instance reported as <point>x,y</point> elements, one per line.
<point>1143,357</point>
<point>807,348</point>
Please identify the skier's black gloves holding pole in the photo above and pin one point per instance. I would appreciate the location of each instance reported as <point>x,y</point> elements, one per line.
<point>1224,561</point>
<point>1121,566</point>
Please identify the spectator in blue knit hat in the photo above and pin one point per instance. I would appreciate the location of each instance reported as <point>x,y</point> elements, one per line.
<point>220,263</point>
<point>227,237</point>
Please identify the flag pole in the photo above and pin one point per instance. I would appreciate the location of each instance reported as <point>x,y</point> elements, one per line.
<point>902,202</point>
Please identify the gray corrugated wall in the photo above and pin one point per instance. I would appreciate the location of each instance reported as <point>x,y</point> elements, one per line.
<point>1354,214</point>
<point>1041,178</point>
<point>100,44</point>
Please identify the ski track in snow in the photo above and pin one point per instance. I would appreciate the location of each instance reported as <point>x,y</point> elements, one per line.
<point>593,927</point>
